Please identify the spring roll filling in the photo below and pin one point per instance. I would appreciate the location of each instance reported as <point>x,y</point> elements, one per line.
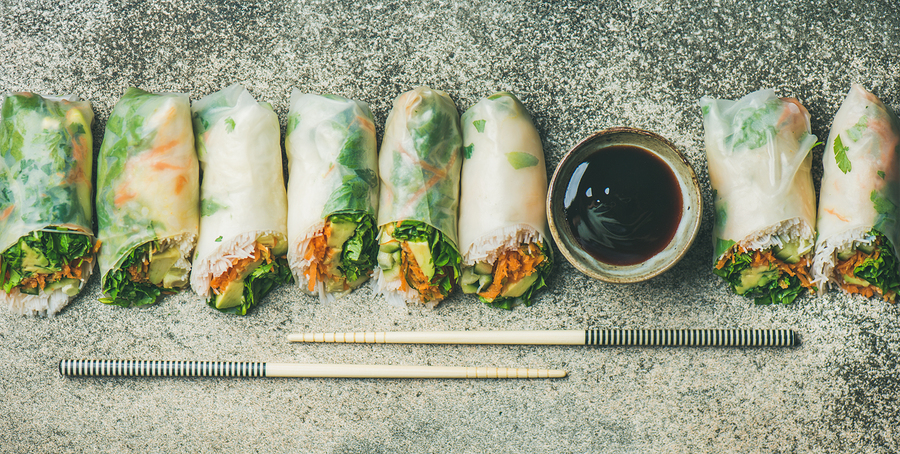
<point>416,258</point>
<point>867,267</point>
<point>339,256</point>
<point>513,275</point>
<point>45,261</point>
<point>776,274</point>
<point>245,272</point>
<point>151,269</point>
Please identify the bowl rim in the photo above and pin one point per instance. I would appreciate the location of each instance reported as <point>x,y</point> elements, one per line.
<point>693,189</point>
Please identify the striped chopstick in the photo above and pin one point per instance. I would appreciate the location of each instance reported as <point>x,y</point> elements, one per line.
<point>599,337</point>
<point>144,368</point>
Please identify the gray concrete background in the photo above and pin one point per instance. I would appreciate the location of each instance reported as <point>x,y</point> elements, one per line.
<point>579,67</point>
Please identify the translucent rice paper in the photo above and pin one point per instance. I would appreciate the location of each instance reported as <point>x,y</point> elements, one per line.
<point>46,163</point>
<point>865,193</point>
<point>333,161</point>
<point>504,179</point>
<point>46,166</point>
<point>420,160</point>
<point>242,193</point>
<point>148,175</point>
<point>758,152</point>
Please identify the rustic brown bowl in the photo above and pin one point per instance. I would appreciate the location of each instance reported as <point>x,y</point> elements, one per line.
<point>685,233</point>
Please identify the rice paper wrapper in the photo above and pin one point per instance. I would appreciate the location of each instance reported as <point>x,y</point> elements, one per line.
<point>332,159</point>
<point>148,176</point>
<point>420,160</point>
<point>242,194</point>
<point>861,181</point>
<point>46,167</point>
<point>504,179</point>
<point>759,156</point>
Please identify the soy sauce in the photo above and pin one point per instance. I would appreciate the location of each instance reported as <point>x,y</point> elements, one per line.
<point>623,205</point>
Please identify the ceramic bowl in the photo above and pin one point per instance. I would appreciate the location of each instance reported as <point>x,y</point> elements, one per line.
<point>685,232</point>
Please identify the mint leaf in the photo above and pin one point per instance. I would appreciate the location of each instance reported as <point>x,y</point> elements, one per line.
<point>229,124</point>
<point>840,155</point>
<point>209,207</point>
<point>520,160</point>
<point>881,174</point>
<point>882,204</point>
<point>467,151</point>
<point>479,125</point>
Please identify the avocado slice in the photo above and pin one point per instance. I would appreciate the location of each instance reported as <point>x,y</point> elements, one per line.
<point>176,277</point>
<point>160,263</point>
<point>855,280</point>
<point>33,261</point>
<point>755,277</point>
<point>518,289</point>
<point>278,246</point>
<point>422,253</point>
<point>69,286</point>
<point>340,233</point>
<point>468,276</point>
<point>484,268</point>
<point>233,295</point>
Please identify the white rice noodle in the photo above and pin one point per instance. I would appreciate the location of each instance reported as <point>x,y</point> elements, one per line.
<point>826,254</point>
<point>489,247</point>
<point>789,230</point>
<point>42,304</point>
<point>222,258</point>
<point>299,264</point>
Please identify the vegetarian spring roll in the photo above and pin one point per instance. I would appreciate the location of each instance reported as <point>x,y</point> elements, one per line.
<point>332,193</point>
<point>419,164</point>
<point>46,238</point>
<point>502,217</point>
<point>858,204</point>
<point>243,225</point>
<point>147,198</point>
<point>759,155</point>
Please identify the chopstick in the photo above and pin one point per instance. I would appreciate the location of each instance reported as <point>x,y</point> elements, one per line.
<point>146,368</point>
<point>604,337</point>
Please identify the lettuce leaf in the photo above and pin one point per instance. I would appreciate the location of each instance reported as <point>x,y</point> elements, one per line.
<point>358,256</point>
<point>59,248</point>
<point>881,272</point>
<point>122,291</point>
<point>782,290</point>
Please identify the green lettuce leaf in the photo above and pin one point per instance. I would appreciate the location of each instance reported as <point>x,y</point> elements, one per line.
<point>122,291</point>
<point>883,271</point>
<point>770,291</point>
<point>58,248</point>
<point>358,256</point>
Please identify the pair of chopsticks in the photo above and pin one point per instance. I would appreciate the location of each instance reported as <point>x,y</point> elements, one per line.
<point>609,338</point>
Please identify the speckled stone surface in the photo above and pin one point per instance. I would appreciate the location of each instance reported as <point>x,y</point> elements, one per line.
<point>579,67</point>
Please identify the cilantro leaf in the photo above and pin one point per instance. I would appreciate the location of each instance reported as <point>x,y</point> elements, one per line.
<point>840,155</point>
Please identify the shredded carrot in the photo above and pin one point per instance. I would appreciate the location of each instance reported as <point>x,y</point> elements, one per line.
<point>512,266</point>
<point>7,212</point>
<point>846,267</point>
<point>412,274</point>
<point>163,165</point>
<point>831,212</point>
<point>220,282</point>
<point>180,183</point>
<point>319,254</point>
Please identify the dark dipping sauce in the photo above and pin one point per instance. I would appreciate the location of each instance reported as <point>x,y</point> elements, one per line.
<point>623,205</point>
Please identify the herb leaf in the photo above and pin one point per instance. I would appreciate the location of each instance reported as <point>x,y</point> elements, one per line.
<point>840,155</point>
